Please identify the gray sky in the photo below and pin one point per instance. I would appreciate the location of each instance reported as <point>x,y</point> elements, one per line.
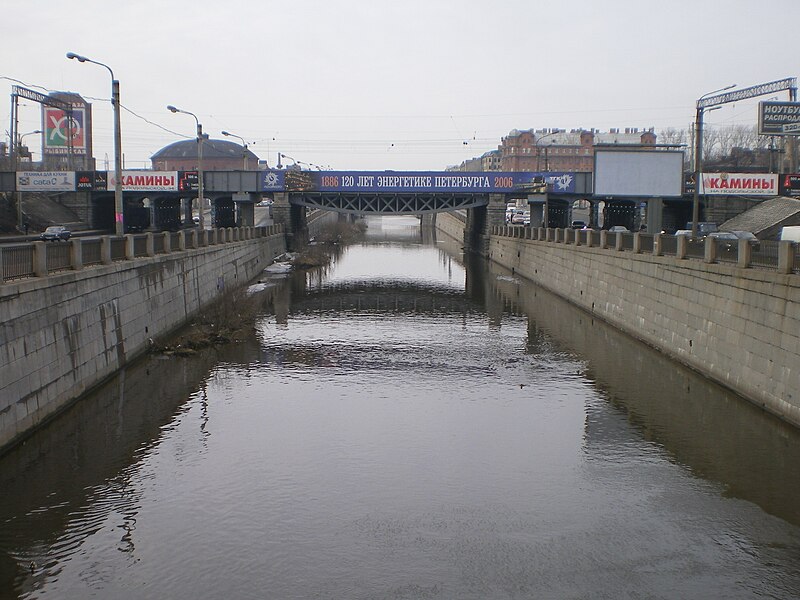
<point>402,85</point>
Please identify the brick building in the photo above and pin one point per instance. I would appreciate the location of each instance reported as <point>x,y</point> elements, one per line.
<point>218,155</point>
<point>559,150</point>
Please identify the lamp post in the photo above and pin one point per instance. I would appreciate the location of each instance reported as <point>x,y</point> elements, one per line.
<point>538,147</point>
<point>17,160</point>
<point>22,137</point>
<point>244,148</point>
<point>119,212</point>
<point>199,161</point>
<point>698,155</point>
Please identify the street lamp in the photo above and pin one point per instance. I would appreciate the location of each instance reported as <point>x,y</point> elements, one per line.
<point>119,213</point>
<point>698,155</point>
<point>199,160</point>
<point>22,137</point>
<point>538,147</point>
<point>244,148</point>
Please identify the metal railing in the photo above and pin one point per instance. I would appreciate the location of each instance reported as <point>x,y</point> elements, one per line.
<point>91,252</point>
<point>58,257</point>
<point>17,262</point>
<point>39,259</point>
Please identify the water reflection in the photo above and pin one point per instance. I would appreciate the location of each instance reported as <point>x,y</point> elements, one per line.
<point>711,431</point>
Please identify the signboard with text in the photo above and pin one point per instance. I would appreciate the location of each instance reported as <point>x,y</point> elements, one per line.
<point>145,181</point>
<point>779,118</point>
<point>739,184</point>
<point>91,180</point>
<point>423,181</point>
<point>52,181</point>
<point>188,181</point>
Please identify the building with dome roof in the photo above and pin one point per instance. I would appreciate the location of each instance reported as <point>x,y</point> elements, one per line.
<point>218,155</point>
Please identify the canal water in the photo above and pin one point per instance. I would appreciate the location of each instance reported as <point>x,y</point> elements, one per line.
<point>406,424</point>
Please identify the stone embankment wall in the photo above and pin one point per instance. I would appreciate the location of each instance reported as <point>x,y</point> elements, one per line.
<point>63,334</point>
<point>739,327</point>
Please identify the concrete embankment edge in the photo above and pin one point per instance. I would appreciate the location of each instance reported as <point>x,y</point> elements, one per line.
<point>64,334</point>
<point>738,327</point>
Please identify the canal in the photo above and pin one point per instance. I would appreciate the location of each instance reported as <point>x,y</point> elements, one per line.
<point>406,423</point>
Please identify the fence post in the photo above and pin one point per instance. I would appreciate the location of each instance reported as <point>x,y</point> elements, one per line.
<point>40,259</point>
<point>604,239</point>
<point>744,254</point>
<point>105,250</point>
<point>618,242</point>
<point>682,244</point>
<point>637,243</point>
<point>130,249</point>
<point>181,240</point>
<point>76,254</point>
<point>785,256</point>
<point>657,245</point>
<point>710,250</point>
<point>149,247</point>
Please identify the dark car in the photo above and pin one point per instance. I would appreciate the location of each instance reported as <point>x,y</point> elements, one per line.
<point>56,233</point>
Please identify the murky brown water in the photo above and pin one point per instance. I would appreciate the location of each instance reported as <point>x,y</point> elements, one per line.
<point>407,425</point>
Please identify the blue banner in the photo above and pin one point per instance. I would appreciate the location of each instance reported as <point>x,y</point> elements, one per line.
<point>272,181</point>
<point>487,182</point>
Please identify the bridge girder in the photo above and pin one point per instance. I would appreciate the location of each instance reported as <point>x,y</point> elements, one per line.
<point>387,203</point>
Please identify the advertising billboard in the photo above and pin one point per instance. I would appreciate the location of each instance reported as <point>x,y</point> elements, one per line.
<point>91,180</point>
<point>59,126</point>
<point>739,184</point>
<point>53,181</point>
<point>779,118</point>
<point>145,181</point>
<point>790,185</point>
<point>638,173</point>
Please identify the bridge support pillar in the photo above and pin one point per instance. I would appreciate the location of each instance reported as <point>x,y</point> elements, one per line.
<point>293,219</point>
<point>480,221</point>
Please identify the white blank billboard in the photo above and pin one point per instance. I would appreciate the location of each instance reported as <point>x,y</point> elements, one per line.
<point>640,173</point>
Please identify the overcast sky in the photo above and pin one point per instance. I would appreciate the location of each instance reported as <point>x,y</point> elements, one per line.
<point>402,85</point>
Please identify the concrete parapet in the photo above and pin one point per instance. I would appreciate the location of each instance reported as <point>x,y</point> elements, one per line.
<point>745,253</point>
<point>76,254</point>
<point>105,250</point>
<point>130,247</point>
<point>785,257</point>
<point>40,259</point>
<point>710,250</point>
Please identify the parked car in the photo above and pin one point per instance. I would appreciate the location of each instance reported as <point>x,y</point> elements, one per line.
<point>684,232</point>
<point>526,217</point>
<point>618,228</point>
<point>56,233</point>
<point>577,224</point>
<point>519,217</point>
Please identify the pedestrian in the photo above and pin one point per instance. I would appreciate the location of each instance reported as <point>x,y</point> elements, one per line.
<point>27,225</point>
